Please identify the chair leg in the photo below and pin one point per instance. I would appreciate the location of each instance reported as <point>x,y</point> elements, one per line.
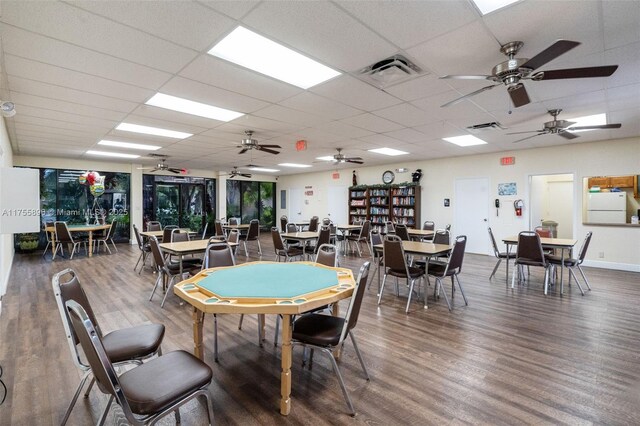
<point>215,337</point>
<point>462,290</point>
<point>584,277</point>
<point>384,280</point>
<point>259,248</point>
<point>160,277</point>
<point>240,322</point>
<point>103,417</point>
<point>275,336</point>
<point>546,281</point>
<point>209,408</point>
<point>104,242</point>
<point>135,268</point>
<point>513,276</point>
<point>406,311</point>
<point>114,245</point>
<point>495,268</point>
<point>355,346</point>
<point>246,253</point>
<point>44,253</point>
<point>176,413</point>
<point>444,292</point>
<point>576,278</point>
<point>341,381</point>
<point>75,398</point>
<point>91,383</point>
<point>169,287</point>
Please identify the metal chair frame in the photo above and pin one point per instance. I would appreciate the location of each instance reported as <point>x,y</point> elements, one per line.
<point>68,239</point>
<point>394,239</point>
<point>534,257</point>
<point>253,234</point>
<point>497,253</point>
<point>108,237</point>
<point>452,269</point>
<point>144,249</point>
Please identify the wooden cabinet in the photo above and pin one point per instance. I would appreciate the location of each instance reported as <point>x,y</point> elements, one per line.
<point>399,204</point>
<point>621,181</point>
<point>358,205</point>
<point>601,181</point>
<point>615,182</point>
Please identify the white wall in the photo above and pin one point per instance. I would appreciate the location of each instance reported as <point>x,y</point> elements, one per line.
<point>6,241</point>
<point>620,245</point>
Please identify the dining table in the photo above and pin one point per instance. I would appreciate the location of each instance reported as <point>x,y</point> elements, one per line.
<point>303,237</point>
<point>183,248</point>
<point>89,229</point>
<point>547,243</point>
<point>160,233</point>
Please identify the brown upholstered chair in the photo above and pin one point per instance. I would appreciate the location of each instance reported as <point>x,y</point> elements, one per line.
<point>389,229</point>
<point>313,224</point>
<point>108,238</point>
<point>428,226</point>
<point>324,237</point>
<point>452,269</point>
<point>375,238</point>
<point>327,255</point>
<point>145,249</point>
<point>395,265</point>
<point>150,391</point>
<point>252,235</point>
<point>220,234</point>
<point>530,253</point>
<point>63,236</point>
<point>178,236</point>
<point>166,233</point>
<point>128,345</point>
<point>234,221</point>
<point>402,232</point>
<point>498,254</point>
<point>326,332</point>
<point>49,235</point>
<point>572,263</point>
<point>361,237</point>
<point>233,238</point>
<point>283,223</point>
<point>154,225</point>
<point>281,251</point>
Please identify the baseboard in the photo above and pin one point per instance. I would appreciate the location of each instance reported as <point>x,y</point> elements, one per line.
<point>631,267</point>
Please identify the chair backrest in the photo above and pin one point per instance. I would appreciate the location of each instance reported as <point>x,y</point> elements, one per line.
<point>47,233</point>
<point>277,240</point>
<point>389,228</point>
<point>62,232</point>
<point>353,311</point>
<point>326,221</point>
<point>136,231</point>
<point>66,286</point>
<point>530,248</point>
<point>543,232</point>
<point>283,223</point>
<point>313,224</point>
<point>218,254</point>
<point>254,230</point>
<point>218,226</point>
<point>393,253</point>
<point>496,251</point>
<point>441,237</point>
<point>448,227</point>
<point>402,232</point>
<point>166,233</point>
<point>324,237</point>
<point>234,221</point>
<point>158,257</point>
<point>204,231</point>
<point>112,229</point>
<point>365,230</point>
<point>585,246</point>
<point>428,226</point>
<point>177,236</point>
<point>291,227</point>
<point>327,255</point>
<point>154,225</point>
<point>457,255</point>
<point>234,236</point>
<point>375,238</point>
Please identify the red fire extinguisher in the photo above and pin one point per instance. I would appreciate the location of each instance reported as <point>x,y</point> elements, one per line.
<point>518,205</point>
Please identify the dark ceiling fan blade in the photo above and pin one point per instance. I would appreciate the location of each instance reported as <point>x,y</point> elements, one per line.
<point>528,131</point>
<point>588,72</point>
<point>597,127</point>
<point>353,160</point>
<point>247,175</point>
<point>174,170</point>
<point>270,146</point>
<point>529,137</point>
<point>270,151</point>
<point>460,99</point>
<point>519,95</point>
<point>568,135</point>
<point>243,150</point>
<point>467,77</point>
<point>558,48</point>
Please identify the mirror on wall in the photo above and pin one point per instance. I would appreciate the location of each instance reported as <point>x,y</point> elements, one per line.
<point>610,200</point>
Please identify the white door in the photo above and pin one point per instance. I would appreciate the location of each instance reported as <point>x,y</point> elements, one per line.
<point>337,204</point>
<point>295,205</point>
<point>471,213</point>
<point>560,207</point>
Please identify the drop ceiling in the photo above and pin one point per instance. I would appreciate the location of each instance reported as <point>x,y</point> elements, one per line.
<point>77,69</point>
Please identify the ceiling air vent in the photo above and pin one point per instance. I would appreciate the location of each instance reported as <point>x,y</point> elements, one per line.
<point>387,72</point>
<point>485,126</point>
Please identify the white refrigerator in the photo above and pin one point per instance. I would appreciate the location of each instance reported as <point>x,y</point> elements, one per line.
<point>607,207</point>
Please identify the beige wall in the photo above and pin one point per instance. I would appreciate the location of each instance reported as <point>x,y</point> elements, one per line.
<point>6,241</point>
<point>620,246</point>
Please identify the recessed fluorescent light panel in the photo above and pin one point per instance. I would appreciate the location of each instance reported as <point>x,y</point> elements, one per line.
<point>466,140</point>
<point>262,169</point>
<point>129,145</point>
<point>589,120</point>
<point>194,108</point>
<point>388,151</point>
<point>302,166</point>
<point>112,154</point>
<point>325,158</point>
<point>258,53</point>
<point>156,131</point>
<point>488,6</point>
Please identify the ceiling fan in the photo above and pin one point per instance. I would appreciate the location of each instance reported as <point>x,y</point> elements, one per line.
<point>235,172</point>
<point>563,127</point>
<point>249,143</point>
<point>162,166</point>
<point>511,72</point>
<point>340,158</point>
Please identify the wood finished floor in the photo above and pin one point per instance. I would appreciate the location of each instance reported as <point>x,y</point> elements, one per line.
<point>510,357</point>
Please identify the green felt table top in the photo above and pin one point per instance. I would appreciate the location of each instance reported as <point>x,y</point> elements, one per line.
<point>273,280</point>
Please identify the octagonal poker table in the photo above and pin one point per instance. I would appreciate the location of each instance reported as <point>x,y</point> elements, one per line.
<point>262,288</point>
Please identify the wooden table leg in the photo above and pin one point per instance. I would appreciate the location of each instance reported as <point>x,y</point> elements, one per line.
<point>90,243</point>
<point>285,375</point>
<point>198,322</point>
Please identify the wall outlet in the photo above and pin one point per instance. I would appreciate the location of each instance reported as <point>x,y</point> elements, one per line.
<point>601,255</point>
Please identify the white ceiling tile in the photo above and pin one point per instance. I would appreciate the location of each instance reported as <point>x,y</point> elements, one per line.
<point>314,137</point>
<point>82,129</point>
<point>76,26</point>
<point>621,23</point>
<point>29,111</point>
<point>166,19</point>
<point>233,8</point>
<point>236,133</point>
<point>585,102</point>
<point>439,130</point>
<point>314,104</point>
<point>380,140</point>
<point>211,95</point>
<point>39,48</point>
<point>407,135</point>
<point>407,23</point>
<point>630,124</point>
<point>253,122</point>
<point>405,114</point>
<point>217,72</point>
<point>372,123</point>
<point>170,116</point>
<point>628,57</point>
<point>421,87</point>
<point>623,97</point>
<point>58,105</point>
<point>328,34</point>
<point>342,129</point>
<point>57,76</point>
<point>464,109</point>
<point>288,115</point>
<point>353,92</point>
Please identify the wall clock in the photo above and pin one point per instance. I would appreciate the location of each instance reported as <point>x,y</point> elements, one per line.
<point>388,177</point>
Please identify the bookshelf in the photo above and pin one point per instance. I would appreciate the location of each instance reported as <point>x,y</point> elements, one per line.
<point>381,203</point>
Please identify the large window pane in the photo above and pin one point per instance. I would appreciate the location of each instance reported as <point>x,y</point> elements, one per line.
<point>250,200</point>
<point>267,191</point>
<point>233,198</point>
<point>168,204</point>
